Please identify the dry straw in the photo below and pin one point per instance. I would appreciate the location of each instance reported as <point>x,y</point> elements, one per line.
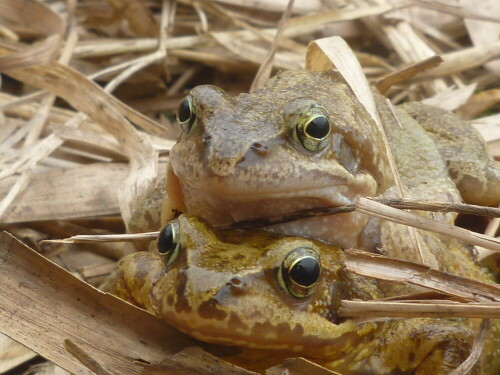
<point>89,90</point>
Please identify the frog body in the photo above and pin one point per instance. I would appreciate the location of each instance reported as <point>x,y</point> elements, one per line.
<point>224,288</point>
<point>240,158</point>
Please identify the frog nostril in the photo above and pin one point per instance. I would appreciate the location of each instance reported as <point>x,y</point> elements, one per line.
<point>235,281</point>
<point>206,138</point>
<point>236,286</point>
<point>259,148</point>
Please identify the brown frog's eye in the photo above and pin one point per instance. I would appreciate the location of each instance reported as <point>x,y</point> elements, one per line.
<point>300,272</point>
<point>186,114</point>
<point>312,129</point>
<point>168,242</point>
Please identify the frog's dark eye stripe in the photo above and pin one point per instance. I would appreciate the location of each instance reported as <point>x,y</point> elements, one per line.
<point>186,114</point>
<point>168,242</point>
<point>312,129</point>
<point>300,272</point>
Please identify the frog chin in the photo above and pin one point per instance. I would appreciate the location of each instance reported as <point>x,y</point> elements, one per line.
<point>220,209</point>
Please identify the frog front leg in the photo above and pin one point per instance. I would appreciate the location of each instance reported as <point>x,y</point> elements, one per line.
<point>476,175</point>
<point>134,278</point>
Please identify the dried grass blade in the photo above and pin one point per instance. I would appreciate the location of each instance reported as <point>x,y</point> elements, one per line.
<point>392,269</point>
<point>35,15</point>
<point>418,309</point>
<point>314,22</point>
<point>102,108</point>
<point>92,320</point>
<point>384,83</point>
<point>264,71</point>
<point>466,58</point>
<point>40,53</point>
<point>401,203</point>
<point>16,189</point>
<point>13,354</point>
<point>92,238</point>
<point>250,52</point>
<point>372,208</point>
<point>462,208</point>
<point>48,194</point>
<point>194,361</point>
<point>299,366</point>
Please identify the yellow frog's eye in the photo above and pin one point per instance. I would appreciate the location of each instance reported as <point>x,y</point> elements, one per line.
<point>300,271</point>
<point>312,129</point>
<point>186,114</point>
<point>168,242</point>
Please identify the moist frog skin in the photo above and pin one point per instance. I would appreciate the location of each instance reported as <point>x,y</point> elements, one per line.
<point>277,297</point>
<point>305,141</point>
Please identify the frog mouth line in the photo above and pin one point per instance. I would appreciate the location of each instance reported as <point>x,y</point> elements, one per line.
<point>330,193</point>
<point>216,335</point>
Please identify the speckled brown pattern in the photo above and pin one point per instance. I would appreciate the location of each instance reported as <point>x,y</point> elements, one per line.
<point>223,288</point>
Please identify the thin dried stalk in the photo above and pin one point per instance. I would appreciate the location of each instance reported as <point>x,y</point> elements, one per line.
<point>263,222</point>
<point>415,309</point>
<point>18,187</point>
<point>392,269</point>
<point>381,211</point>
<point>89,238</point>
<point>476,352</point>
<point>384,83</point>
<point>264,71</point>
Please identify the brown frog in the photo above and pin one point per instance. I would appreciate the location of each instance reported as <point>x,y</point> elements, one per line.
<point>305,141</point>
<point>278,297</point>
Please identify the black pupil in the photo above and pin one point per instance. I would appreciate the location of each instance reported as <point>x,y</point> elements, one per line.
<point>318,127</point>
<point>166,240</point>
<point>305,272</point>
<point>184,112</point>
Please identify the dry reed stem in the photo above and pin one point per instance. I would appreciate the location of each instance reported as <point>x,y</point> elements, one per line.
<point>392,269</point>
<point>415,309</point>
<point>208,43</point>
<point>264,72</point>
<point>382,208</point>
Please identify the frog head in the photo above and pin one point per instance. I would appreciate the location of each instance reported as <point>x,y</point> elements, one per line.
<point>256,290</point>
<point>303,141</point>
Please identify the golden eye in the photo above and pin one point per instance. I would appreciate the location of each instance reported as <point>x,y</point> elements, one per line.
<point>168,242</point>
<point>186,114</point>
<point>312,129</point>
<point>300,272</point>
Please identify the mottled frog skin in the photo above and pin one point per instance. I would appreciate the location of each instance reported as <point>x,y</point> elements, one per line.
<point>224,288</point>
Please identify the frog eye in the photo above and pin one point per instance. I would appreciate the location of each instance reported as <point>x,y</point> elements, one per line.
<point>186,114</point>
<point>168,242</point>
<point>312,129</point>
<point>300,271</point>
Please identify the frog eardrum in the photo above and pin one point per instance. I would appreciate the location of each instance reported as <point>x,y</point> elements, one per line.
<point>186,114</point>
<point>312,129</point>
<point>300,272</point>
<point>168,242</point>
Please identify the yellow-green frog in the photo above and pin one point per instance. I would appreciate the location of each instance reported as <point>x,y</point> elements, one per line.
<point>278,297</point>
